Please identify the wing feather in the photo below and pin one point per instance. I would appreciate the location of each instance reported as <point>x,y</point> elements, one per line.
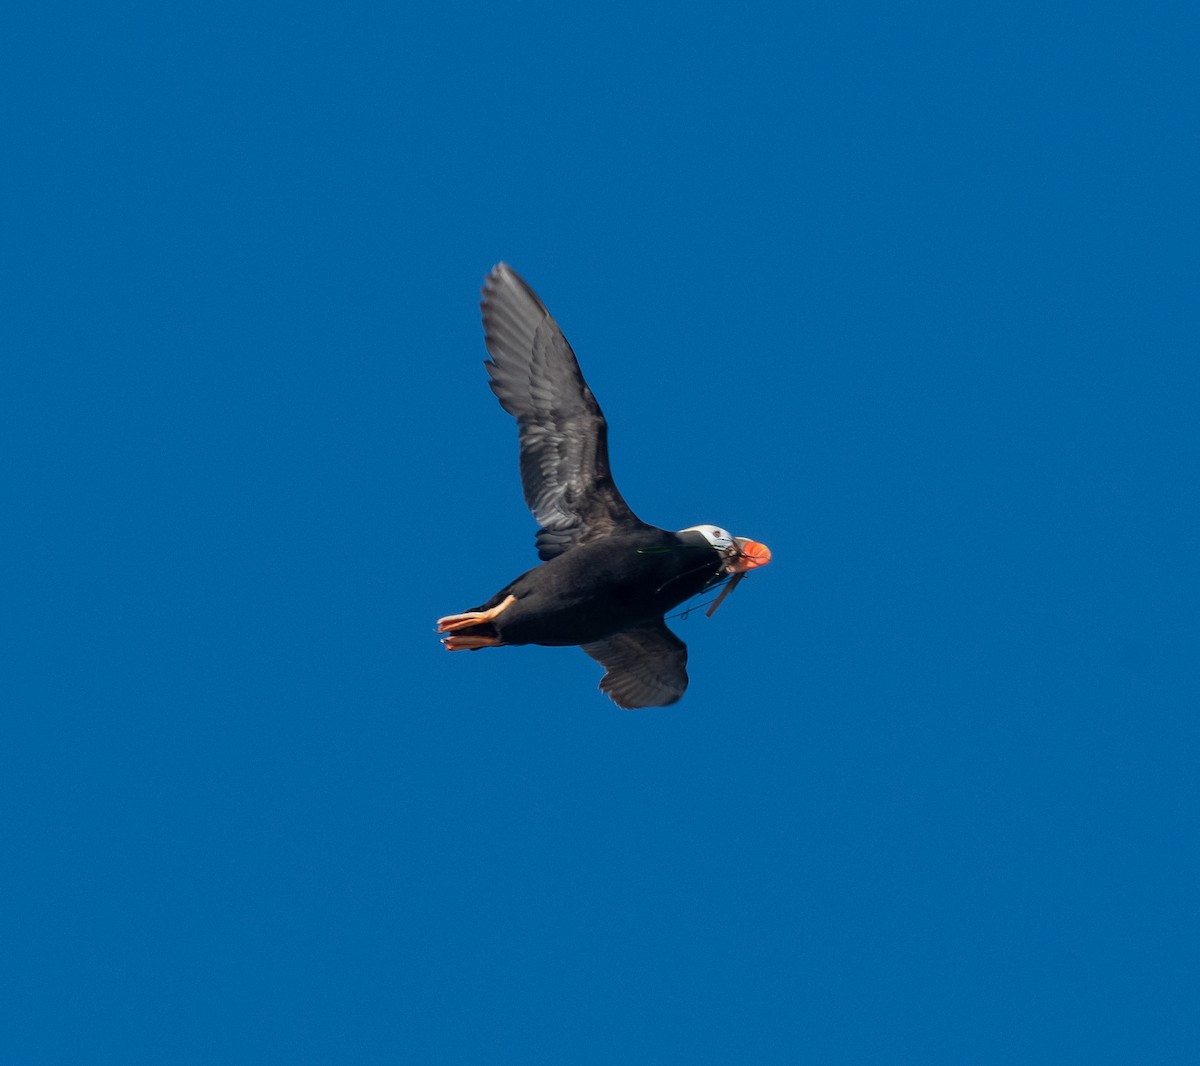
<point>563,435</point>
<point>644,667</point>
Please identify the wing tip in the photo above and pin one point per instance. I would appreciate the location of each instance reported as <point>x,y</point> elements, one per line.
<point>501,279</point>
<point>639,703</point>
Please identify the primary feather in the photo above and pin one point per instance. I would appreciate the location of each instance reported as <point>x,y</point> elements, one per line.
<point>563,435</point>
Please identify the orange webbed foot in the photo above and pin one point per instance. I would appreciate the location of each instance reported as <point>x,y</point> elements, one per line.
<point>466,642</point>
<point>454,622</point>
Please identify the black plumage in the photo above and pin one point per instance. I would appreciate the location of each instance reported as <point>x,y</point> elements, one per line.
<point>607,578</point>
<point>563,435</point>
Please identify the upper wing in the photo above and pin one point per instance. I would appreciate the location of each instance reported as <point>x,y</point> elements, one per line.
<point>563,435</point>
<point>645,667</point>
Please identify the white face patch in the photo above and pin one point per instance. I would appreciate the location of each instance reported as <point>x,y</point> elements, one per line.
<point>715,535</point>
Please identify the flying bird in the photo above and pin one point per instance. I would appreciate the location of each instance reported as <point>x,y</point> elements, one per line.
<point>607,578</point>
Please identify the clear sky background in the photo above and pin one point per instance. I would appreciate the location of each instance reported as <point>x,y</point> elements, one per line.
<point>907,292</point>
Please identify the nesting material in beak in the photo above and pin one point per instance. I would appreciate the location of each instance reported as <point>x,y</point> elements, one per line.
<point>750,554</point>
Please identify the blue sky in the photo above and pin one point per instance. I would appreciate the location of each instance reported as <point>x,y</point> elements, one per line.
<point>906,292</point>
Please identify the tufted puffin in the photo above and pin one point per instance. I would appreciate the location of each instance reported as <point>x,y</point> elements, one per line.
<point>607,578</point>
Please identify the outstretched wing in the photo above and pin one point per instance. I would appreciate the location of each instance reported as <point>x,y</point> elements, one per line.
<point>645,667</point>
<point>563,435</point>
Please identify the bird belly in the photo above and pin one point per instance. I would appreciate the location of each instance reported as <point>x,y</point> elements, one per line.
<point>531,622</point>
<point>581,596</point>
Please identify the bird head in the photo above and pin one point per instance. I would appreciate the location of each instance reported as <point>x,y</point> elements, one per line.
<point>741,554</point>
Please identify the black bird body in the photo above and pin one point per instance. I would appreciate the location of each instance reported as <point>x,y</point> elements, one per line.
<point>607,578</point>
<point>602,588</point>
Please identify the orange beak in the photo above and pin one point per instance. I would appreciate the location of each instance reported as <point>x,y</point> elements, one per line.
<point>752,555</point>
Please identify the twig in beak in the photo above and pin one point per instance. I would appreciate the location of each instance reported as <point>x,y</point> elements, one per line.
<point>733,583</point>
